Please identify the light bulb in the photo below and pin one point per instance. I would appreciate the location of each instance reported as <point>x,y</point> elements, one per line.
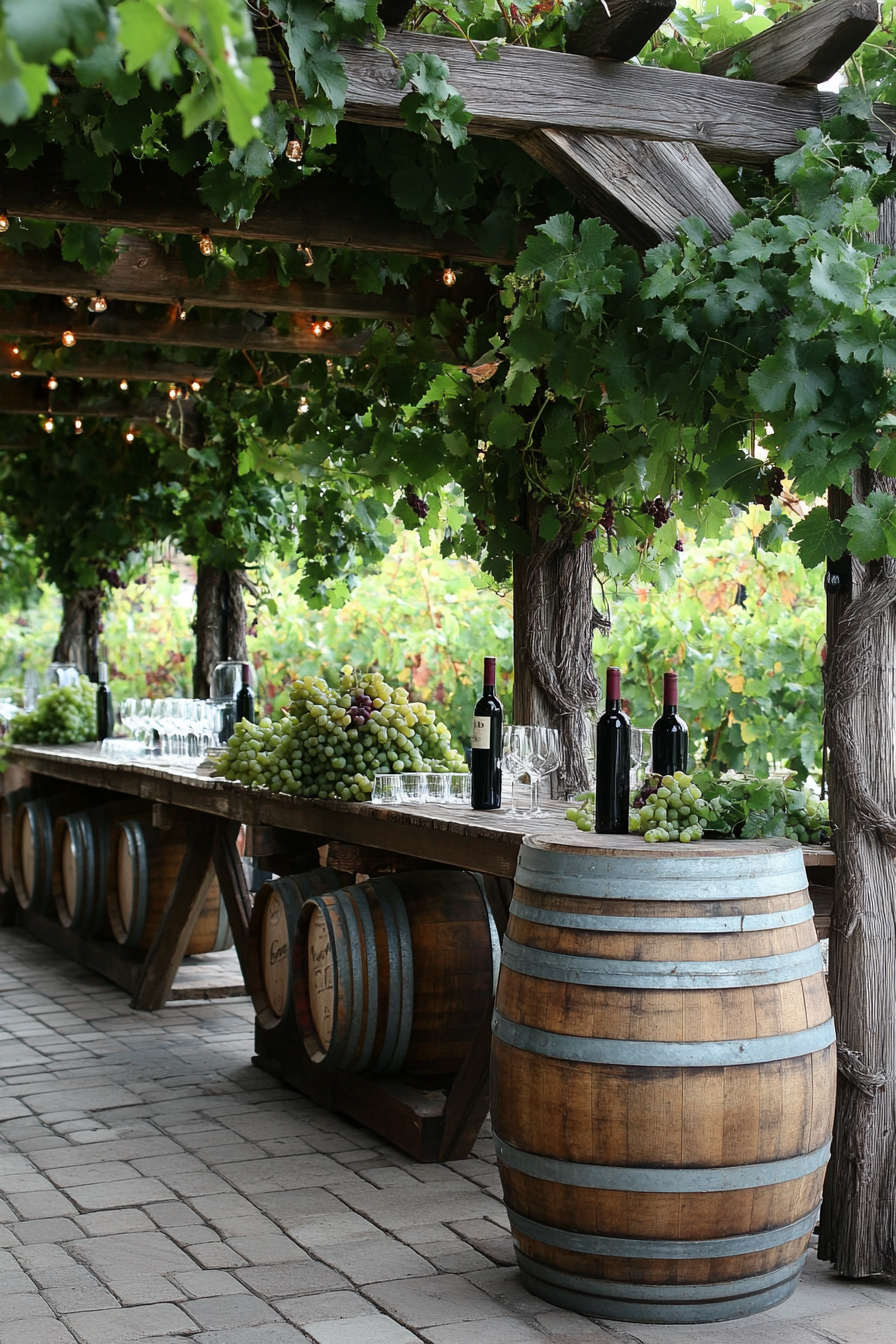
<point>15,349</point>
<point>16,373</point>
<point>52,383</point>
<point>303,406</point>
<point>129,437</point>
<point>79,425</point>
<point>328,325</point>
<point>71,302</point>
<point>196,386</point>
<point>294,150</point>
<point>123,384</point>
<point>206,246</point>
<point>317,328</point>
<point>68,339</point>
<point>449,277</point>
<point>180,310</point>
<point>48,424</point>
<point>97,304</point>
<point>172,393</point>
<point>309,255</point>
<point>4,221</point>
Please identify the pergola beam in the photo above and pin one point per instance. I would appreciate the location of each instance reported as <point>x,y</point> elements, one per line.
<point>734,121</point>
<point>144,273</point>
<point>26,401</point>
<point>39,324</point>
<point>314,211</point>
<point>644,188</point>
<point>804,49</point>
<point>620,33</point>
<point>139,370</point>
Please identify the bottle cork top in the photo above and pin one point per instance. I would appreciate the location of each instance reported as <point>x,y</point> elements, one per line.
<point>614,680</point>
<point>244,670</point>
<point>103,673</point>
<point>670,688</point>
<point>488,674</point>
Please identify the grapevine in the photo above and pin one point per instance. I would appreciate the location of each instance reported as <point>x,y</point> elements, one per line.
<point>331,743</point>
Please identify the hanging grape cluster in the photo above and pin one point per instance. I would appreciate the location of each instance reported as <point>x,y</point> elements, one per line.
<point>657,510</point>
<point>420,507</point>
<point>331,743</point>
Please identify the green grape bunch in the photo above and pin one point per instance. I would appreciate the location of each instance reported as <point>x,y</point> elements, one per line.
<point>63,714</point>
<point>332,743</point>
<point>674,809</point>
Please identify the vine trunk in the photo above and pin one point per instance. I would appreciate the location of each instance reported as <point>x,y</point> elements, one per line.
<point>79,633</point>
<point>219,624</point>
<point>554,620</point>
<point>858,1218</point>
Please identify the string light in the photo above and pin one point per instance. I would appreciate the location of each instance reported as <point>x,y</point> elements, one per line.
<point>130,436</point>
<point>196,386</point>
<point>328,325</point>
<point>180,310</point>
<point>16,373</point>
<point>449,277</point>
<point>172,393</point>
<point>309,255</point>
<point>295,150</point>
<point>71,302</point>
<point>15,349</point>
<point>4,221</point>
<point>52,383</point>
<point>206,246</point>
<point>68,339</point>
<point>317,328</point>
<point>303,406</point>
<point>79,425</point>
<point>97,304</point>
<point>123,384</point>
<point>49,425</point>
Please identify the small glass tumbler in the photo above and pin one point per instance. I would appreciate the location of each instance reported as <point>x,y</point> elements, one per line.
<point>438,788</point>
<point>414,787</point>
<point>460,790</point>
<point>387,789</point>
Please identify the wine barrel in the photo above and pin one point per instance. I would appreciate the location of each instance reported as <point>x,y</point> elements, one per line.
<point>393,975</point>
<point>143,867</point>
<point>9,805</point>
<point>663,1076</point>
<point>81,848</point>
<point>272,928</point>
<point>32,848</point>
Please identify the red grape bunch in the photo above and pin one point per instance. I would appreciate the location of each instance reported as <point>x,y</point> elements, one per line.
<point>360,710</point>
<point>420,507</point>
<point>657,510</point>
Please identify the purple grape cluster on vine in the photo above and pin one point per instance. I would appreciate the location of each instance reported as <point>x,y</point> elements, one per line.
<point>360,710</point>
<point>608,517</point>
<point>657,510</point>
<point>481,526</point>
<point>420,507</point>
<point>773,480</point>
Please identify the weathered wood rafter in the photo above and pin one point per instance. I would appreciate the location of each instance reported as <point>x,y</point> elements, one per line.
<point>618,29</point>
<point>85,365</point>
<point>20,400</point>
<point>804,49</point>
<point>41,323</point>
<point>644,188</point>
<point>144,273</point>
<point>314,211</point>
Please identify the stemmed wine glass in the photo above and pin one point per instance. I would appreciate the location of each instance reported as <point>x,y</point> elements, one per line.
<point>546,758</point>
<point>514,747</point>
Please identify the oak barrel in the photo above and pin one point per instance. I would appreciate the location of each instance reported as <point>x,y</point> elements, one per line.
<point>32,848</point>
<point>272,928</point>
<point>663,1075</point>
<point>9,805</point>
<point>81,849</point>
<point>143,867</point>
<point>393,975</point>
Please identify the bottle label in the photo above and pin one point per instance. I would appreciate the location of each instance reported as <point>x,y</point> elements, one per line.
<point>482,733</point>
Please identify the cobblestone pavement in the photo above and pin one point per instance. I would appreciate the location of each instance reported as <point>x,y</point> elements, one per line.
<point>154,1186</point>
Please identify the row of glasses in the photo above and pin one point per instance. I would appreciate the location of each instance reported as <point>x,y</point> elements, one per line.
<point>532,751</point>
<point>184,728</point>
<point>417,787</point>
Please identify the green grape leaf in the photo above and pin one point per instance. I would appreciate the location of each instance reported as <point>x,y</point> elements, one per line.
<point>872,527</point>
<point>818,536</point>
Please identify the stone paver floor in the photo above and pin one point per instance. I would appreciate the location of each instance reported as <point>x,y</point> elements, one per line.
<point>155,1186</point>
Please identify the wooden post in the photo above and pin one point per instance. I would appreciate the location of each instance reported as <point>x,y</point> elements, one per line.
<point>79,633</point>
<point>219,624</point>
<point>858,1217</point>
<point>234,892</point>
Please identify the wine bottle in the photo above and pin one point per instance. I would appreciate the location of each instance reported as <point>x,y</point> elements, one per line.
<point>245,700</point>
<point>486,755</point>
<point>105,711</point>
<point>670,733</point>
<point>614,749</point>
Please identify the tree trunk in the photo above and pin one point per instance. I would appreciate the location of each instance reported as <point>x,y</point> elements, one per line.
<point>858,1219</point>
<point>219,624</point>
<point>554,621</point>
<point>79,634</point>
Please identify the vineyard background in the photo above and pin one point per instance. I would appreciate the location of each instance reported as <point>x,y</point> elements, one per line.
<point>743,627</point>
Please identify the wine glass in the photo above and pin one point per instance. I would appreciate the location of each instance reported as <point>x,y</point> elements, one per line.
<point>514,748</point>
<point>545,759</point>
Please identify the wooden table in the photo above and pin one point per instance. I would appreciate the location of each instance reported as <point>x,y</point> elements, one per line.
<point>430,1125</point>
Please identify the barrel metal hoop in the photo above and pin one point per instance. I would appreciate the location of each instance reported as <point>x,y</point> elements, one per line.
<point>636,1248</point>
<point>599,971</point>
<point>385,1060</point>
<point>494,936</point>
<point>662,1292</point>
<point>664,1054</point>
<point>77,839</point>
<point>661,1180</point>
<point>372,977</point>
<point>140,887</point>
<point>334,1054</point>
<point>401,969</point>
<point>42,888</point>
<point>346,899</point>
<point>572,919</point>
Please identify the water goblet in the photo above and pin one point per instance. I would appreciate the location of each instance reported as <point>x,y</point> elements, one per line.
<point>387,790</point>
